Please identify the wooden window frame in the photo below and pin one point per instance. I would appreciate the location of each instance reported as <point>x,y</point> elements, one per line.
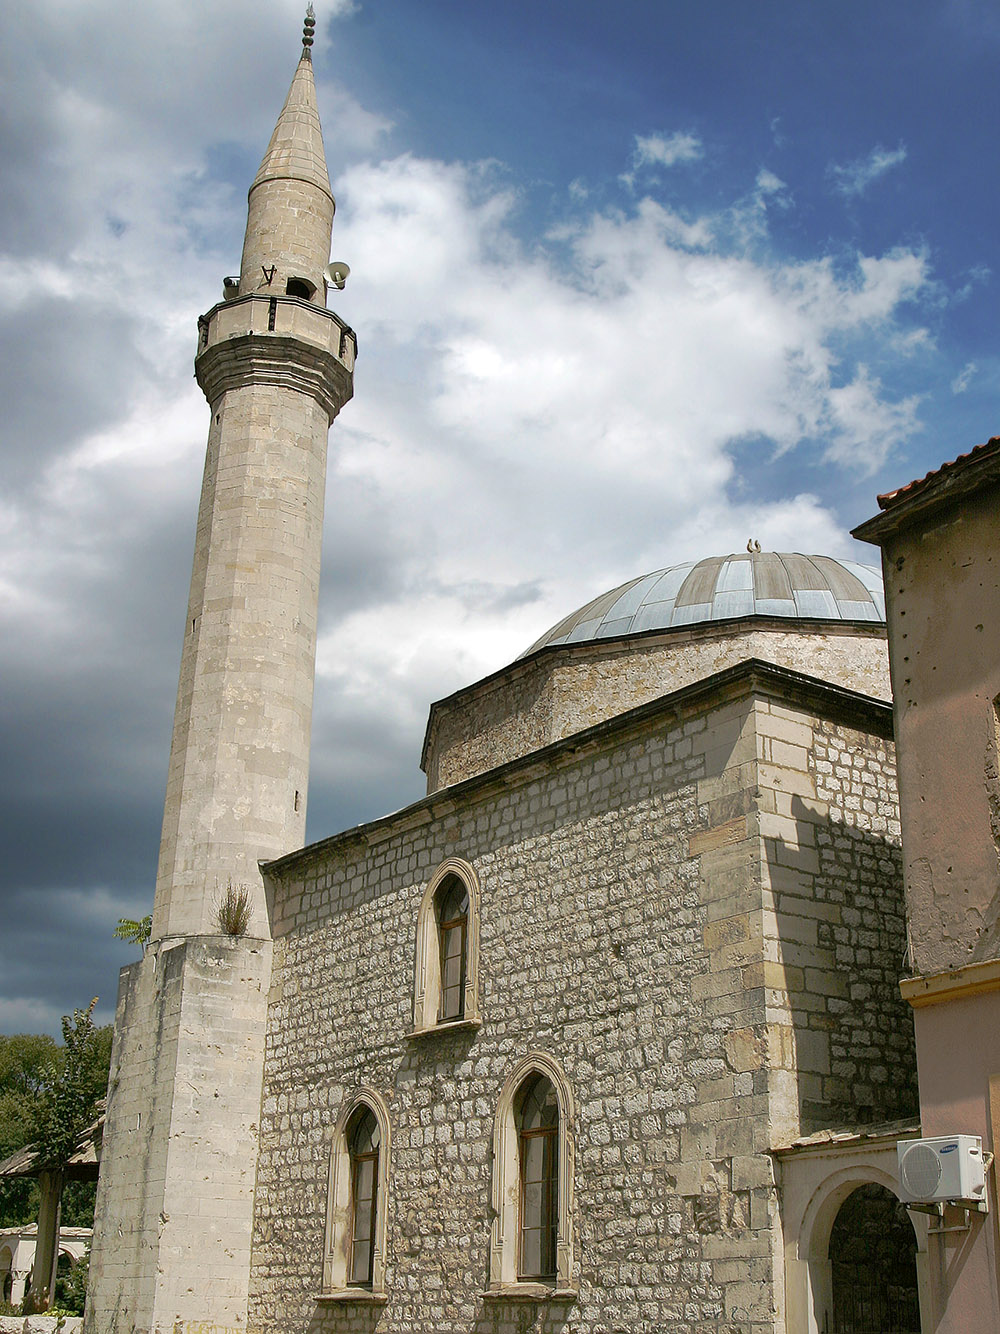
<point>339,1232</point>
<point>357,1159</point>
<point>452,924</point>
<point>427,969</point>
<point>505,1234</point>
<point>549,1212</point>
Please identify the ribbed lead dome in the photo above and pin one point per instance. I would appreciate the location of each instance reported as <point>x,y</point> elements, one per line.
<point>724,588</point>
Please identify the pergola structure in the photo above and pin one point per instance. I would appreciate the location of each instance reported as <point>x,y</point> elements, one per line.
<point>83,1164</point>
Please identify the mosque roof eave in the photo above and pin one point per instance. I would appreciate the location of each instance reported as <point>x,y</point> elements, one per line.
<point>750,676</point>
<point>528,660</point>
<point>813,593</point>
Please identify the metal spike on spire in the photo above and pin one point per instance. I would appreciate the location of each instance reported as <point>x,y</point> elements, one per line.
<point>307,32</point>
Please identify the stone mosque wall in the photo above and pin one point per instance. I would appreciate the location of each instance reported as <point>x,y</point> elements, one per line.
<point>663,900</point>
<point>564,689</point>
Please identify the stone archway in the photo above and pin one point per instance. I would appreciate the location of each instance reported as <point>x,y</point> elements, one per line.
<point>873,1270</point>
<point>6,1274</point>
<point>817,1179</point>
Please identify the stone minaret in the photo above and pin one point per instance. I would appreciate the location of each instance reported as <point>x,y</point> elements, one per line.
<point>276,368</point>
<point>175,1204</point>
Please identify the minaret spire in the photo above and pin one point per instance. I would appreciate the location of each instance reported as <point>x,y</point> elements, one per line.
<point>291,206</point>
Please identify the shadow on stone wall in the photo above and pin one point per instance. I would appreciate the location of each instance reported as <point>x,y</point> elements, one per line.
<point>841,940</point>
<point>492,1317</point>
<point>500,1317</point>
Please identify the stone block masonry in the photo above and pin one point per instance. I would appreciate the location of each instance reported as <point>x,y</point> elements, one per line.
<point>182,1127</point>
<point>629,929</point>
<point>561,690</point>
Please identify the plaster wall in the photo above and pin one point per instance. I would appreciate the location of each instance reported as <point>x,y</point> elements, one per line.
<point>959,1066</point>
<point>17,1256</point>
<point>562,690</point>
<point>942,580</point>
<point>636,927</point>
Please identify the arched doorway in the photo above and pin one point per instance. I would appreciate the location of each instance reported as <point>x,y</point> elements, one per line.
<point>873,1266</point>
<point>6,1274</point>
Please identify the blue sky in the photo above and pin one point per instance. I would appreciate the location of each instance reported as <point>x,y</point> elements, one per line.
<point>631,285</point>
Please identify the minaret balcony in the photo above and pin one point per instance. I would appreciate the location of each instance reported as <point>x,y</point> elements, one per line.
<point>260,313</point>
<point>281,340</point>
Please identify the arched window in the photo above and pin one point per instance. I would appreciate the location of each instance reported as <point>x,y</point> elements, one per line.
<point>451,908</point>
<point>536,1114</point>
<point>354,1253</point>
<point>532,1239</point>
<point>363,1143</point>
<point>446,979</point>
<point>301,288</point>
<point>6,1274</point>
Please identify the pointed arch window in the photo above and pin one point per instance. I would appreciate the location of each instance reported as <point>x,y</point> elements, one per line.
<point>531,1247</point>
<point>354,1252</point>
<point>446,981</point>
<point>451,909</point>
<point>536,1112</point>
<point>363,1139</point>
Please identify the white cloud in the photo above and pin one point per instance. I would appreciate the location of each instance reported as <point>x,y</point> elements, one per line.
<point>854,178</point>
<point>518,411</point>
<point>661,150</point>
<point>964,378</point>
<point>666,150</point>
<point>863,426</point>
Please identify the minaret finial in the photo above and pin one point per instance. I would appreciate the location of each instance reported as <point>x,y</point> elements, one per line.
<point>307,33</point>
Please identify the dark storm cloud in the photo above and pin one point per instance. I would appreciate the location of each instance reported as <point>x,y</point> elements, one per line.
<point>64,953</point>
<point>71,364</point>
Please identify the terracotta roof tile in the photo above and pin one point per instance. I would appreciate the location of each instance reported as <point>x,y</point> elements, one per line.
<point>890,498</point>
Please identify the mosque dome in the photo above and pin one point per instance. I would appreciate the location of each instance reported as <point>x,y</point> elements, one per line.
<point>725,588</point>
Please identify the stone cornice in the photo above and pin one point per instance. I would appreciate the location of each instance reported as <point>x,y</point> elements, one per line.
<point>590,649</point>
<point>275,359</point>
<point>752,677</point>
<point>973,979</point>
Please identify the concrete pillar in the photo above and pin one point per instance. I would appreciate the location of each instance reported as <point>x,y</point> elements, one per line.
<point>43,1271</point>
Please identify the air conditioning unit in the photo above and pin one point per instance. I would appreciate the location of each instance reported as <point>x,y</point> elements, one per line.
<point>950,1167</point>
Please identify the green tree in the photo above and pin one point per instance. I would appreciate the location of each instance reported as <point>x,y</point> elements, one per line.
<point>71,1087</point>
<point>24,1060</point>
<point>71,1285</point>
<point>135,932</point>
<point>48,1097</point>
<point>66,1105</point>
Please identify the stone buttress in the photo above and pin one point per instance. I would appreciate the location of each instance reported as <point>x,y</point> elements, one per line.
<point>172,1240</point>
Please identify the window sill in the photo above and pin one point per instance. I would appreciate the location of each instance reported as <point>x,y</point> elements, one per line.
<point>362,1296</point>
<point>530,1292</point>
<point>448,1026</point>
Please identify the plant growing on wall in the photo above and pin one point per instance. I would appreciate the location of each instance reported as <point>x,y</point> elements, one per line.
<point>233,910</point>
<point>136,933</point>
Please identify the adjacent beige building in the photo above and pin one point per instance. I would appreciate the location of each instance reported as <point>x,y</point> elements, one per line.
<point>940,540</point>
